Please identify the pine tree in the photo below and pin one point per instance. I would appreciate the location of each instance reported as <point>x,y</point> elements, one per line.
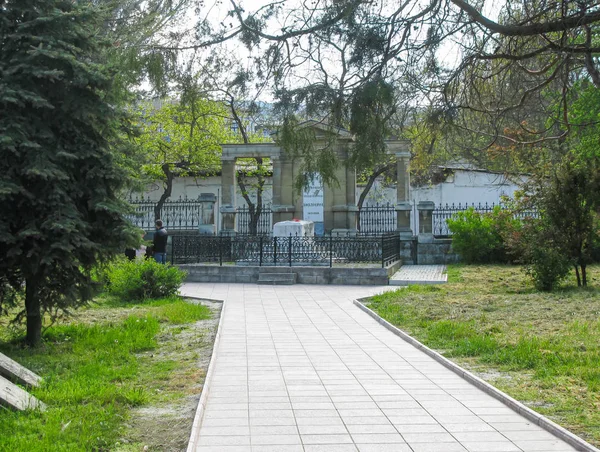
<point>60,214</point>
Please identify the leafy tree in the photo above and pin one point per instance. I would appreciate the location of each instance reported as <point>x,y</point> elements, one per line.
<point>230,83</point>
<point>567,228</point>
<point>182,139</point>
<point>525,61</point>
<point>570,207</point>
<point>60,212</point>
<point>141,34</point>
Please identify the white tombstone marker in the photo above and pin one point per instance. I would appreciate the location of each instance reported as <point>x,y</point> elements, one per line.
<point>294,228</point>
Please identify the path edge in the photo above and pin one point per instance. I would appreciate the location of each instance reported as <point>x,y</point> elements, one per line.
<point>197,423</point>
<point>540,420</point>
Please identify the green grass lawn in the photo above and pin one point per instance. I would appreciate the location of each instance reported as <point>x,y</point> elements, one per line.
<point>97,368</point>
<point>541,348</point>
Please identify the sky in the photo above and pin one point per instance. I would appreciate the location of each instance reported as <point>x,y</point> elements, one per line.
<point>216,13</point>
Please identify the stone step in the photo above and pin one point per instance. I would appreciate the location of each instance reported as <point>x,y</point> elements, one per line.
<point>277,278</point>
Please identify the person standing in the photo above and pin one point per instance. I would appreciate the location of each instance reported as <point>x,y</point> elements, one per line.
<point>160,243</point>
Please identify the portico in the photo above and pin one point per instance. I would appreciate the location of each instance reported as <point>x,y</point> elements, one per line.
<point>338,201</point>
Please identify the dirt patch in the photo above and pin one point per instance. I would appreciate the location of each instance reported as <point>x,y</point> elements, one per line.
<point>165,424</point>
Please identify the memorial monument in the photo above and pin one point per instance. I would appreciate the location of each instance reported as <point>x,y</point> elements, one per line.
<point>332,209</point>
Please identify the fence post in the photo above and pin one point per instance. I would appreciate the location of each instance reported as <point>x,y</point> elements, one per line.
<point>290,250</point>
<point>330,251</point>
<point>172,249</point>
<point>382,251</point>
<point>274,251</point>
<point>261,252</point>
<point>220,251</point>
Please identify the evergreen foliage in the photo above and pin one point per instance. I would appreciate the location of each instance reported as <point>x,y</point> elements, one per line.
<point>60,214</point>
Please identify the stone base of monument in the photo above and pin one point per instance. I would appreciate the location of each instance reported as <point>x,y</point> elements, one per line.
<point>282,277</point>
<point>250,274</point>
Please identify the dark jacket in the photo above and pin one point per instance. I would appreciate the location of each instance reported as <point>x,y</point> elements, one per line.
<point>160,241</point>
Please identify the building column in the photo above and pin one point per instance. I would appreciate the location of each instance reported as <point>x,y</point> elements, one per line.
<point>228,196</point>
<point>403,204</point>
<point>283,189</point>
<point>343,202</point>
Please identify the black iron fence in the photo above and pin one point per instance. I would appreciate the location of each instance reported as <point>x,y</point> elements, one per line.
<point>285,251</point>
<point>442,214</point>
<point>264,224</point>
<point>182,214</point>
<point>378,219</point>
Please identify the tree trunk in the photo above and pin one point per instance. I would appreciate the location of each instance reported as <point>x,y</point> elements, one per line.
<point>577,274</point>
<point>370,181</point>
<point>34,312</point>
<point>167,193</point>
<point>584,275</point>
<point>254,210</point>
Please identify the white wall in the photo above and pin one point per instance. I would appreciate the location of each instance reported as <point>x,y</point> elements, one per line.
<point>463,186</point>
<point>191,188</point>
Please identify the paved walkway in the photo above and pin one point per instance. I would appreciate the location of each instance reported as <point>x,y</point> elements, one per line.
<point>419,274</point>
<point>299,368</point>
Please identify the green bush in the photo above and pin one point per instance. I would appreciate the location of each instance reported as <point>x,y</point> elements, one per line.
<point>476,236</point>
<point>543,254</point>
<point>548,267</point>
<point>143,279</point>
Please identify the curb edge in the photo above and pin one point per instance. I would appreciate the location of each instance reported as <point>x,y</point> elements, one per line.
<point>540,420</point>
<point>198,417</point>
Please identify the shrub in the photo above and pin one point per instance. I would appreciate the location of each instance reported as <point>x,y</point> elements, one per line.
<point>143,279</point>
<point>543,255</point>
<point>547,267</point>
<point>476,237</point>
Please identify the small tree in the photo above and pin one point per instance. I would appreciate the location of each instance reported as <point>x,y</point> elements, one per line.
<point>542,252</point>
<point>569,204</point>
<point>59,178</point>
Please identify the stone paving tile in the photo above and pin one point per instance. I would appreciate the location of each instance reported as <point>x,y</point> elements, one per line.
<point>301,369</point>
<point>419,274</point>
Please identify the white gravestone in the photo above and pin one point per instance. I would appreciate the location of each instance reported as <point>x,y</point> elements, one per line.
<point>299,228</point>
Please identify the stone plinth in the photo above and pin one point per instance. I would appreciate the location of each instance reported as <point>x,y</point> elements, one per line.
<point>425,209</point>
<point>403,211</point>
<point>228,215</point>
<point>207,225</point>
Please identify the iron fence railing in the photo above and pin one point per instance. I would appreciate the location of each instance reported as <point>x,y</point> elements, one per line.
<point>377,219</point>
<point>442,214</point>
<point>264,224</point>
<point>182,214</point>
<point>285,251</point>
